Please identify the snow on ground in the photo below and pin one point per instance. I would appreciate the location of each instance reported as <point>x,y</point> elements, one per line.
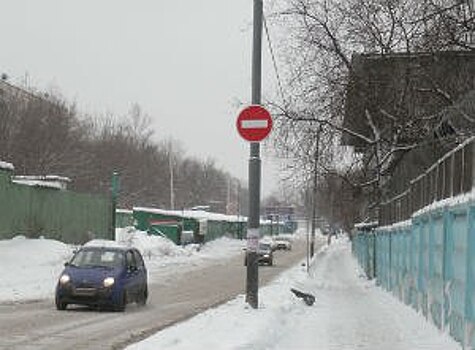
<point>165,259</point>
<point>350,313</point>
<point>30,267</point>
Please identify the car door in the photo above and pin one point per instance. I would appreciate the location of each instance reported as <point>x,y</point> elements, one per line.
<point>141,272</point>
<point>132,275</point>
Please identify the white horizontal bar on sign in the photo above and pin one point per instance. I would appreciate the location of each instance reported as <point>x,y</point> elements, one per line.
<point>254,124</point>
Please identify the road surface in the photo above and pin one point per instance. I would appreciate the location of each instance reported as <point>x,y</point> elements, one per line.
<point>37,325</point>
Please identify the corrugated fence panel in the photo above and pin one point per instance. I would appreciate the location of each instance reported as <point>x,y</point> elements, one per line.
<point>457,230</point>
<point>396,262</point>
<point>428,264</point>
<point>436,262</point>
<point>424,264</point>
<point>63,215</point>
<point>371,241</point>
<point>407,276</point>
<point>417,241</point>
<point>470,280</point>
<point>382,260</point>
<point>411,297</point>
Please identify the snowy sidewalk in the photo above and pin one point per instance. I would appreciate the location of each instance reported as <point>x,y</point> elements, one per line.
<point>350,313</point>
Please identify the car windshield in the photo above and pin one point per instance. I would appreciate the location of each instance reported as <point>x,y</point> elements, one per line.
<point>264,246</point>
<point>98,257</point>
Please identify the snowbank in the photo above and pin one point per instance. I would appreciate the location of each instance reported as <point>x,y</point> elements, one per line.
<point>30,267</point>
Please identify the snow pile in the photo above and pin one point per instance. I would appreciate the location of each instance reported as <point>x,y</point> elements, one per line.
<point>349,313</point>
<point>151,246</point>
<point>164,258</point>
<point>220,248</point>
<point>6,166</point>
<point>30,267</point>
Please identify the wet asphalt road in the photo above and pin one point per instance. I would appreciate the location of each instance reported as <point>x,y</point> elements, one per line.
<point>38,325</point>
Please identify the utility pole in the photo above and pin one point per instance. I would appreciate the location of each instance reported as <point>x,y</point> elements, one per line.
<point>307,205</point>
<point>252,280</point>
<point>172,180</point>
<point>314,197</point>
<point>228,197</point>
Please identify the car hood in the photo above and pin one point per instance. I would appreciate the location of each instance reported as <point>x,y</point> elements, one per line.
<point>90,275</point>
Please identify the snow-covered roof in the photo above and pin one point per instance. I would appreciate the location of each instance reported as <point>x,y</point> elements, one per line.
<point>193,214</point>
<point>6,166</point>
<point>48,181</point>
<point>124,211</point>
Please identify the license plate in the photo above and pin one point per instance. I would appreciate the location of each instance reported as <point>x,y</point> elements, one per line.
<point>85,291</point>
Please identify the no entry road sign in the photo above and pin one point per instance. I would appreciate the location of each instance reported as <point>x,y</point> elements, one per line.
<point>254,123</point>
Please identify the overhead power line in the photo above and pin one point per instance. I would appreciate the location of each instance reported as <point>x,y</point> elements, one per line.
<point>274,62</point>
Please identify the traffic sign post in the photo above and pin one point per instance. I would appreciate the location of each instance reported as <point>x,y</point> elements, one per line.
<point>254,124</point>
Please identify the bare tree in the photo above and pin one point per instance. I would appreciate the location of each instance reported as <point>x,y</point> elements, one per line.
<point>42,134</point>
<point>324,35</point>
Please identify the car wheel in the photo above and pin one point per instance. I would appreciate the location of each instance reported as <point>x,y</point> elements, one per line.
<point>60,305</point>
<point>142,299</point>
<point>120,306</point>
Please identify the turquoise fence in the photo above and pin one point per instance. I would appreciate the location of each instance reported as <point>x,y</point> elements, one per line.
<point>428,262</point>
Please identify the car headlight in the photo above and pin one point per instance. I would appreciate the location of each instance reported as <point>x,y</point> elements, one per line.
<point>64,279</point>
<point>109,281</point>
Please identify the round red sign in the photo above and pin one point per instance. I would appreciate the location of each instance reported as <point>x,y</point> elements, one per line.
<point>254,123</point>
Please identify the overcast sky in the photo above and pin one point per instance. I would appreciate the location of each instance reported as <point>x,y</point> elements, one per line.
<point>185,62</point>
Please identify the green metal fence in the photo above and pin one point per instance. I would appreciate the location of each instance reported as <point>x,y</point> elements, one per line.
<point>124,218</point>
<point>38,211</point>
<point>205,226</point>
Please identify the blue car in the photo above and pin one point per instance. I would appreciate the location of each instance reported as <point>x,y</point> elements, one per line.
<point>103,276</point>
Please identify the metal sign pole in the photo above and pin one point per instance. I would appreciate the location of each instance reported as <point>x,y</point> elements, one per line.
<point>114,195</point>
<point>252,280</point>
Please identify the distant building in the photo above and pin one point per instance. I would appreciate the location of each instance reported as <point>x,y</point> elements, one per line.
<point>432,93</point>
<point>279,213</point>
<point>9,91</point>
<point>404,86</point>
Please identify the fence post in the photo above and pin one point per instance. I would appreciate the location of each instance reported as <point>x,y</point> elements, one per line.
<point>452,169</point>
<point>436,185</point>
<point>462,170</point>
<point>444,179</point>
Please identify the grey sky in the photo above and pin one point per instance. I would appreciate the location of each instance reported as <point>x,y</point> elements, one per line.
<point>185,62</point>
